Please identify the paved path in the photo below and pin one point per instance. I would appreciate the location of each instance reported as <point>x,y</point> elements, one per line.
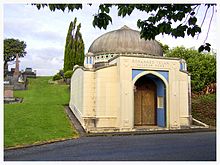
<point>186,146</point>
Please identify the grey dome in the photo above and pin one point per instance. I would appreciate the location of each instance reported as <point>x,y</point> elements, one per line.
<point>125,40</point>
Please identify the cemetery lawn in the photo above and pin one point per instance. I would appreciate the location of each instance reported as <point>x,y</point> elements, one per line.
<point>40,117</point>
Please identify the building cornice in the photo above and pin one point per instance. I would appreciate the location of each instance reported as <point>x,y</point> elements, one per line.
<point>92,69</point>
<point>143,56</point>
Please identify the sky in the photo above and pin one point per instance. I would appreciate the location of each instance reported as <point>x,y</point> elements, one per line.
<point>45,32</point>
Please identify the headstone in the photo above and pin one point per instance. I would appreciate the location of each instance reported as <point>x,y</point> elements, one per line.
<point>28,70</point>
<point>16,72</point>
<point>17,79</point>
<point>8,91</point>
<point>28,73</point>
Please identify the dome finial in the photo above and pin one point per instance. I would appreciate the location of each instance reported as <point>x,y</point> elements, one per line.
<point>125,27</point>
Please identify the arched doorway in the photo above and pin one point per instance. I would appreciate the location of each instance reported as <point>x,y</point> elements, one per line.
<point>149,101</point>
<point>145,102</point>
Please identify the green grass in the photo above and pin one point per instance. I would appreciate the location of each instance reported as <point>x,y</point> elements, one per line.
<point>204,108</point>
<point>40,117</point>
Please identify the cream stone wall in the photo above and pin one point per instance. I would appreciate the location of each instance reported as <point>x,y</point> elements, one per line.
<point>104,98</point>
<point>184,99</point>
<point>89,94</point>
<point>94,97</point>
<point>77,94</point>
<point>177,90</point>
<point>126,112</point>
<point>88,100</point>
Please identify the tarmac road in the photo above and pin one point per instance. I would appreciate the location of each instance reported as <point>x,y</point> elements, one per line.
<point>181,146</point>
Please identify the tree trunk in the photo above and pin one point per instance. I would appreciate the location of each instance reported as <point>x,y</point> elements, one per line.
<point>5,68</point>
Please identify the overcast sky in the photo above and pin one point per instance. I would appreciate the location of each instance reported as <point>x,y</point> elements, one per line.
<point>45,32</point>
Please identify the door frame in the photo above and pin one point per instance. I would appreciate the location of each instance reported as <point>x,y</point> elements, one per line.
<point>158,75</point>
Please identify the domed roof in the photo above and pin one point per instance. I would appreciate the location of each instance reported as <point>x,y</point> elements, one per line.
<point>125,40</point>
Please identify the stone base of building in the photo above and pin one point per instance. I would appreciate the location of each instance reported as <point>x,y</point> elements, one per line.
<point>141,129</point>
<point>88,127</point>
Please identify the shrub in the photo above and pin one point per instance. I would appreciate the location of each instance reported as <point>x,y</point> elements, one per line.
<point>61,73</point>
<point>68,74</point>
<point>201,66</point>
<point>57,77</point>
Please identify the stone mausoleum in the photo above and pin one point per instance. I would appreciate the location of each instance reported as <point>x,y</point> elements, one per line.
<point>126,84</point>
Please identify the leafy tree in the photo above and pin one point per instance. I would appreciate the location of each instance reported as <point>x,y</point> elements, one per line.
<point>201,66</point>
<point>74,49</point>
<point>164,47</point>
<point>79,47</point>
<point>68,48</point>
<point>13,47</point>
<point>160,20</point>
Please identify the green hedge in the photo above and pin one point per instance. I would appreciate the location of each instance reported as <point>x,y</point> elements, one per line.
<point>57,77</point>
<point>68,74</point>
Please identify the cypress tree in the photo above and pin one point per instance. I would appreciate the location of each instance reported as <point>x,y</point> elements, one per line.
<point>80,46</point>
<point>74,48</point>
<point>67,47</point>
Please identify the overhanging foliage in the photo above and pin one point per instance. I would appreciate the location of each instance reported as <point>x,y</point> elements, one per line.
<point>160,20</point>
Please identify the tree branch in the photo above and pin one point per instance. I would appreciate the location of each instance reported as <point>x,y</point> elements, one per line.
<point>203,19</point>
<point>197,10</point>
<point>204,16</point>
<point>213,10</point>
<point>189,14</point>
